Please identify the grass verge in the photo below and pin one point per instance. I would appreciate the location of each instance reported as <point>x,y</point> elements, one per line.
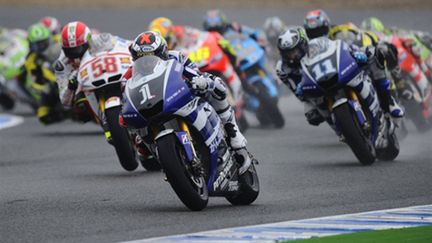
<point>421,234</point>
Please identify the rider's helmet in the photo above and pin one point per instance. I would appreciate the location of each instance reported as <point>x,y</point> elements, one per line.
<point>165,28</point>
<point>39,38</point>
<point>373,24</point>
<point>75,39</point>
<point>317,23</point>
<point>149,43</point>
<point>273,27</point>
<point>293,45</point>
<point>52,24</point>
<point>215,20</point>
<point>347,32</point>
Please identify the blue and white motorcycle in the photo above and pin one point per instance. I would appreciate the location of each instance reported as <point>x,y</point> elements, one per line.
<point>185,133</point>
<point>257,80</point>
<point>332,77</point>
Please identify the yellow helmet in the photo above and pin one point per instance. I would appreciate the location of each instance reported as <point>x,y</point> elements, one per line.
<point>164,26</point>
<point>347,32</point>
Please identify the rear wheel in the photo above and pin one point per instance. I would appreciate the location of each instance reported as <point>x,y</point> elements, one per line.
<point>248,188</point>
<point>6,101</point>
<point>120,140</point>
<point>189,187</point>
<point>150,163</point>
<point>268,112</point>
<point>392,150</point>
<point>356,139</point>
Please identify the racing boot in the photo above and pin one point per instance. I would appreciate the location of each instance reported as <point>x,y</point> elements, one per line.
<point>388,102</point>
<point>218,99</point>
<point>236,139</point>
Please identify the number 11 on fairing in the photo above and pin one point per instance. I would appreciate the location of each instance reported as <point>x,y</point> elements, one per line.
<point>145,91</point>
<point>322,69</point>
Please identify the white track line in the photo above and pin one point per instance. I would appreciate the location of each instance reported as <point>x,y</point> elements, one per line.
<point>9,121</point>
<point>308,228</point>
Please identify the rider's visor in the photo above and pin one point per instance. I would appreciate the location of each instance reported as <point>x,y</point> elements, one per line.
<point>39,46</point>
<point>75,52</point>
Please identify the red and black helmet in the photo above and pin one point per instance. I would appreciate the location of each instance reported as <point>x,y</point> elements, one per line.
<point>317,23</point>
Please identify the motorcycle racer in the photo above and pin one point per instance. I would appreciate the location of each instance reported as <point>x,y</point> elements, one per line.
<point>215,20</point>
<point>293,46</point>
<point>317,24</point>
<point>205,85</point>
<point>181,37</point>
<point>417,43</point>
<point>14,48</point>
<point>38,66</point>
<point>53,26</point>
<point>273,27</point>
<point>76,41</point>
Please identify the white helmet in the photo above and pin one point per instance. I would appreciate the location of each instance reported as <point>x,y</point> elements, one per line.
<point>273,27</point>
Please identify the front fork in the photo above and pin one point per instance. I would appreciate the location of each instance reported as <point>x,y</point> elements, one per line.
<point>104,104</point>
<point>354,103</point>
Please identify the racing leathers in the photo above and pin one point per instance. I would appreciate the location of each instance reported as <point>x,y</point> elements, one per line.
<point>66,69</point>
<point>39,67</point>
<point>213,90</point>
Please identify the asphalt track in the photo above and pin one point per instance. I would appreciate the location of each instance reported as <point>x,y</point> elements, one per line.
<point>62,183</point>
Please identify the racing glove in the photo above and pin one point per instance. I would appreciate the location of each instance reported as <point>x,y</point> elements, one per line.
<point>199,84</point>
<point>360,57</point>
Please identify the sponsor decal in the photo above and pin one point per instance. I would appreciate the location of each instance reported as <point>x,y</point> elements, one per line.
<point>125,60</point>
<point>185,139</point>
<point>347,68</point>
<point>223,175</point>
<point>83,73</point>
<point>130,115</point>
<point>175,94</point>
<point>215,143</point>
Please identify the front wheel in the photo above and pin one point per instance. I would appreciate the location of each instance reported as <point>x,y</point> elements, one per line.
<point>120,140</point>
<point>189,187</point>
<point>354,135</point>
<point>248,188</point>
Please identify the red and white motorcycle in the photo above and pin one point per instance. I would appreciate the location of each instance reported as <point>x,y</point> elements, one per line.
<point>100,79</point>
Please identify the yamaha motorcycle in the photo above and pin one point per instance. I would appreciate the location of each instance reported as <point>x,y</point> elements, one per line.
<point>330,74</point>
<point>185,133</point>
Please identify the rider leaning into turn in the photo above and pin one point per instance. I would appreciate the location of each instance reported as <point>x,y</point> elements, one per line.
<point>76,40</point>
<point>38,65</point>
<point>180,36</point>
<point>293,46</point>
<point>215,20</point>
<point>318,24</point>
<point>416,42</point>
<point>205,85</point>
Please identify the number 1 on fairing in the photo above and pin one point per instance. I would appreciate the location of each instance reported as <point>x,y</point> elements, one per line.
<point>145,91</point>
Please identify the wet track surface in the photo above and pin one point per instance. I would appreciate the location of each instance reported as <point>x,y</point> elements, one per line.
<point>62,183</point>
